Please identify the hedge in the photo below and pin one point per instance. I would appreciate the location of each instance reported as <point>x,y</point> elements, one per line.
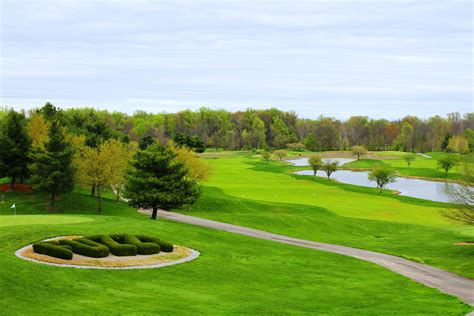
<point>53,250</point>
<point>144,248</point>
<point>86,247</point>
<point>164,245</point>
<point>117,248</point>
<point>99,246</point>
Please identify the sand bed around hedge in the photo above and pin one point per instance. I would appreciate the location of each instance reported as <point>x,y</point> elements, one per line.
<point>180,254</point>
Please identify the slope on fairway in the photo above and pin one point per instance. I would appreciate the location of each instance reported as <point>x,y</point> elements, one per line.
<point>254,194</point>
<point>234,274</point>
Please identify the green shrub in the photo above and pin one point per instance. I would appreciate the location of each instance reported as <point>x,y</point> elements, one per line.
<point>164,245</point>
<point>86,247</point>
<point>117,248</point>
<point>53,249</point>
<point>144,248</point>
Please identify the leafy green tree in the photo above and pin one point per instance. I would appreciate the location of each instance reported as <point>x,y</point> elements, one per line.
<point>52,168</point>
<point>280,153</point>
<point>15,147</point>
<point>315,162</point>
<point>382,175</point>
<point>406,137</point>
<point>409,159</point>
<point>329,167</point>
<point>445,142</point>
<point>458,144</point>
<point>266,155</point>
<point>447,162</point>
<point>358,151</point>
<point>156,181</point>
<point>146,141</point>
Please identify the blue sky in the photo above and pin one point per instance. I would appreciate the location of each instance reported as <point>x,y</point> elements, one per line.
<point>336,58</point>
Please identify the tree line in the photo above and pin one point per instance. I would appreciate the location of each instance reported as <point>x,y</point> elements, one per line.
<point>259,129</point>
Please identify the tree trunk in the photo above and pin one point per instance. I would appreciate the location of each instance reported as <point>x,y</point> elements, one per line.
<point>99,201</point>
<point>53,197</point>
<point>93,190</point>
<point>154,213</point>
<point>12,183</point>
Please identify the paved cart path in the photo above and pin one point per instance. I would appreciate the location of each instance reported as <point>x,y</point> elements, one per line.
<point>446,282</point>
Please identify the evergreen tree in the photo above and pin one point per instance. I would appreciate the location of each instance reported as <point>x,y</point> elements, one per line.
<point>52,168</point>
<point>15,146</point>
<point>157,181</point>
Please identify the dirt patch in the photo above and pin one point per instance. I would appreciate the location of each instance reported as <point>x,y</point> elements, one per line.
<point>179,254</point>
<point>18,187</point>
<point>464,243</point>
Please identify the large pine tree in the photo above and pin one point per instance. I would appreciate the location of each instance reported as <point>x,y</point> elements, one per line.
<point>52,168</point>
<point>156,181</point>
<point>15,146</point>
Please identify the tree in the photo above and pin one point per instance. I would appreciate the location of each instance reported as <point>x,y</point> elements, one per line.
<point>121,155</point>
<point>38,130</point>
<point>447,162</point>
<point>266,155</point>
<point>409,159</point>
<point>103,167</point>
<point>382,175</point>
<point>280,153</point>
<point>156,181</point>
<point>406,137</point>
<point>458,144</point>
<point>197,168</point>
<point>146,141</point>
<point>463,196</point>
<point>52,168</point>
<point>15,147</point>
<point>329,167</point>
<point>315,162</point>
<point>358,151</point>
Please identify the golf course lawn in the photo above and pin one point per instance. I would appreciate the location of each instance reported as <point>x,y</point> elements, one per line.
<point>247,191</point>
<point>234,274</point>
<point>239,274</point>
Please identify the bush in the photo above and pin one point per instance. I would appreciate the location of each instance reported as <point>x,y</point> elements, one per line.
<point>117,248</point>
<point>295,146</point>
<point>164,245</point>
<point>86,247</point>
<point>53,249</point>
<point>144,248</point>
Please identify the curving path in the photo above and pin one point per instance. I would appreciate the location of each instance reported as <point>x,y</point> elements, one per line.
<point>444,281</point>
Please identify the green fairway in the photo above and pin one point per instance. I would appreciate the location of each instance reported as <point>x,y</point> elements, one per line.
<point>41,220</point>
<point>249,192</point>
<point>234,274</point>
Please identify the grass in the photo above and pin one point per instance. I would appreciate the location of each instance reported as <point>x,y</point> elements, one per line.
<point>250,192</point>
<point>234,274</point>
<point>238,274</point>
<point>421,167</point>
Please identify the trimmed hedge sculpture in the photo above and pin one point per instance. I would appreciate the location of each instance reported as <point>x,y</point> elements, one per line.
<point>99,246</point>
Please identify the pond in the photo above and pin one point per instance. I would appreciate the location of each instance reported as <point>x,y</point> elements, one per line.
<point>304,161</point>
<point>423,189</point>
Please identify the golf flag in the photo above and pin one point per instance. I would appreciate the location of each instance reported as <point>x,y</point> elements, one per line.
<point>13,206</point>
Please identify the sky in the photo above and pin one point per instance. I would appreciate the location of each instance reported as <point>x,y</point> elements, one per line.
<point>334,58</point>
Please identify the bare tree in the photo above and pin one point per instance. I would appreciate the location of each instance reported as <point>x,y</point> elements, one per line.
<point>463,196</point>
